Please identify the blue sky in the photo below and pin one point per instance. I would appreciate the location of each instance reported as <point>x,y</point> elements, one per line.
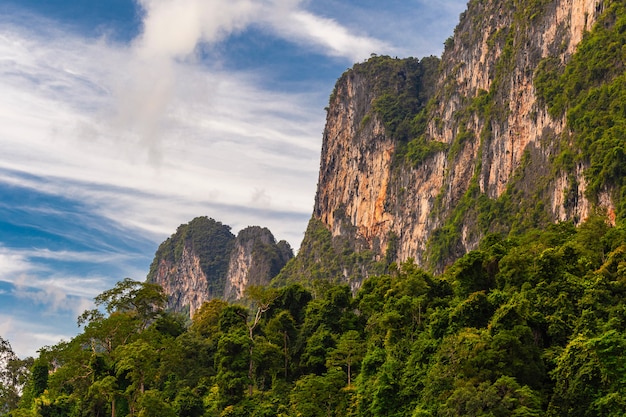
<point>122,119</point>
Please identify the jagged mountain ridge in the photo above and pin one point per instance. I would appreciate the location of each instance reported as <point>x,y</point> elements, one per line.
<point>484,154</point>
<point>204,260</point>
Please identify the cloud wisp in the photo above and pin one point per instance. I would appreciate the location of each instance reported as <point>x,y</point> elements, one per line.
<point>173,28</point>
<point>213,138</point>
<point>30,269</point>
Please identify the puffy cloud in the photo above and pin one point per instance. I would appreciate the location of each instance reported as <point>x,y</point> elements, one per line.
<point>173,28</point>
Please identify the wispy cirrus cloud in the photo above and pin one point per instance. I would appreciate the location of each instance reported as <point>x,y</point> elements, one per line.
<point>415,28</point>
<point>54,298</point>
<point>25,271</point>
<point>324,34</point>
<point>37,302</point>
<point>221,139</point>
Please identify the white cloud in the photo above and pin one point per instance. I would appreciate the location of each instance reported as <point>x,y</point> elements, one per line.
<point>35,280</point>
<point>173,28</point>
<point>327,35</point>
<point>12,264</point>
<point>152,160</point>
<point>26,337</point>
<point>412,28</point>
<point>54,297</point>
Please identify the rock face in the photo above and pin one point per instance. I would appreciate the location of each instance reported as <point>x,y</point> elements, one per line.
<point>255,259</point>
<point>477,159</point>
<point>184,281</point>
<point>204,260</point>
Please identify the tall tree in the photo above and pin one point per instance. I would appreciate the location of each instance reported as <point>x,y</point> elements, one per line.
<point>262,298</point>
<point>282,331</point>
<point>349,352</point>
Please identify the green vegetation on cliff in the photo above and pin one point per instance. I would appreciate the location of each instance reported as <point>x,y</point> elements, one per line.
<point>530,326</point>
<point>402,90</point>
<point>268,257</point>
<point>323,259</point>
<point>591,91</point>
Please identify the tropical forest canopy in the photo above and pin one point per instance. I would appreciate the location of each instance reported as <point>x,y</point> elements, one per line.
<point>526,326</point>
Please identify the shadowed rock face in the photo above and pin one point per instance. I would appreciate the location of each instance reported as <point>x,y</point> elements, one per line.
<point>255,259</point>
<point>204,260</point>
<point>495,137</point>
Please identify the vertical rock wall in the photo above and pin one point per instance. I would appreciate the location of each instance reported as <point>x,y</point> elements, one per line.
<point>365,193</point>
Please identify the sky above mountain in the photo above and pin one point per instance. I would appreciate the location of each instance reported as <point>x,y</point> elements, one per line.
<point>122,119</point>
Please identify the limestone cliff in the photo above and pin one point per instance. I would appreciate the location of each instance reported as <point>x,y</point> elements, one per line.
<point>255,259</point>
<point>192,264</point>
<point>416,165</point>
<point>204,260</point>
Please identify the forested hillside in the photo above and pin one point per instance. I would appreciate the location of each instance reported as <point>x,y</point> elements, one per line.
<point>525,326</point>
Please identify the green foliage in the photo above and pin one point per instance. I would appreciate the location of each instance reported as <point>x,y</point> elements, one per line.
<point>531,325</point>
<point>590,376</point>
<point>419,149</point>
<point>340,258</point>
<point>505,397</point>
<point>14,373</point>
<point>232,363</point>
<point>319,396</point>
<point>206,320</point>
<point>402,89</point>
<point>349,352</point>
<point>144,301</point>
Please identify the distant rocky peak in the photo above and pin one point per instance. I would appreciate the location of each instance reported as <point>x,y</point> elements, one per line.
<point>203,260</point>
<point>255,259</point>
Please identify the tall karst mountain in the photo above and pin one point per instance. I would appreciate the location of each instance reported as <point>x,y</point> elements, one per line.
<point>204,260</point>
<point>519,124</point>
